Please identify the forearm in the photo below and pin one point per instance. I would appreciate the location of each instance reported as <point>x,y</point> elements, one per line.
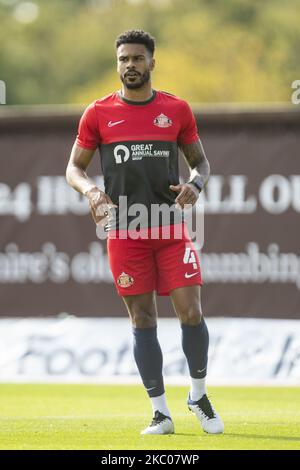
<point>197,162</point>
<point>201,172</point>
<point>77,178</point>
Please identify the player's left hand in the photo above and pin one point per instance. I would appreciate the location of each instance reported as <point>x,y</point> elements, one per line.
<point>188,194</point>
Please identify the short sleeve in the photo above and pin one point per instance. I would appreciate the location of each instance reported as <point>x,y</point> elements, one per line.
<point>188,132</point>
<point>88,133</point>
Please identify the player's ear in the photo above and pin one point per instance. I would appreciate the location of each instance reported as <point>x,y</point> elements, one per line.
<point>152,64</point>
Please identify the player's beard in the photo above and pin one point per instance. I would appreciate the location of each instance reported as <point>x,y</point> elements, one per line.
<point>138,83</point>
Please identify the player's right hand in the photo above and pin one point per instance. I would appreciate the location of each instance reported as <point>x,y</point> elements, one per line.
<point>100,204</point>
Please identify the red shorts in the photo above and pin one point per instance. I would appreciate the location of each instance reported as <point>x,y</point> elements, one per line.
<point>158,263</point>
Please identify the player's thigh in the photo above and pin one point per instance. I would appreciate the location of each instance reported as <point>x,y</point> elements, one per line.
<point>132,265</point>
<point>142,309</point>
<point>177,264</point>
<point>187,304</point>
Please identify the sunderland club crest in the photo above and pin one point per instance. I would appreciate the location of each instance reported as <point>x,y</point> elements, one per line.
<point>124,280</point>
<point>162,121</point>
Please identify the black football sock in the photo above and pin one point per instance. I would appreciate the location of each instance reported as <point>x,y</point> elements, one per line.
<point>149,360</point>
<point>195,340</point>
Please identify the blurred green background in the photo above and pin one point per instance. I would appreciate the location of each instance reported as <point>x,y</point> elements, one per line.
<point>62,51</point>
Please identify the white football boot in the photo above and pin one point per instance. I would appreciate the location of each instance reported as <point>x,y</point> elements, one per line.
<point>161,424</point>
<point>207,416</point>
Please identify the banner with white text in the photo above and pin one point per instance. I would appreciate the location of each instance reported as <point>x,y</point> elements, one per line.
<point>88,350</point>
<point>52,260</point>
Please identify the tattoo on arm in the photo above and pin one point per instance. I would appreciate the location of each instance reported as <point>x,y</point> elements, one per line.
<point>196,159</point>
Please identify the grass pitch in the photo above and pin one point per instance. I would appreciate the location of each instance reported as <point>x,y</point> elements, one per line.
<point>111,417</point>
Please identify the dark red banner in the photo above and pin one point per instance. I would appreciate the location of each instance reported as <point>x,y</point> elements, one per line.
<point>51,260</point>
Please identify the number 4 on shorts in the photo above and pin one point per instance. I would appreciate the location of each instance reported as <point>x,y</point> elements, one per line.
<point>189,257</point>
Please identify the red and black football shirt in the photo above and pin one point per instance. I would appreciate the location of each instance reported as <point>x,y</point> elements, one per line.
<point>138,144</point>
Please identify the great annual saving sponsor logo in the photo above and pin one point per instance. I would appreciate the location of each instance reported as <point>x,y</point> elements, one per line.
<point>137,152</point>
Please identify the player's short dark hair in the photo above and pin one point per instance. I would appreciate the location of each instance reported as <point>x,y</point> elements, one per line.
<point>136,36</point>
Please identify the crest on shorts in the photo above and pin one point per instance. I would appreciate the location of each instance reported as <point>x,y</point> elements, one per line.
<point>124,280</point>
<point>162,121</point>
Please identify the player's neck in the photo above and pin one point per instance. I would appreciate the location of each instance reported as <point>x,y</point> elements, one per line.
<point>141,94</point>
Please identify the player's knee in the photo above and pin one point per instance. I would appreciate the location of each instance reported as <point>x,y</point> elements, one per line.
<point>143,319</point>
<point>191,316</point>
